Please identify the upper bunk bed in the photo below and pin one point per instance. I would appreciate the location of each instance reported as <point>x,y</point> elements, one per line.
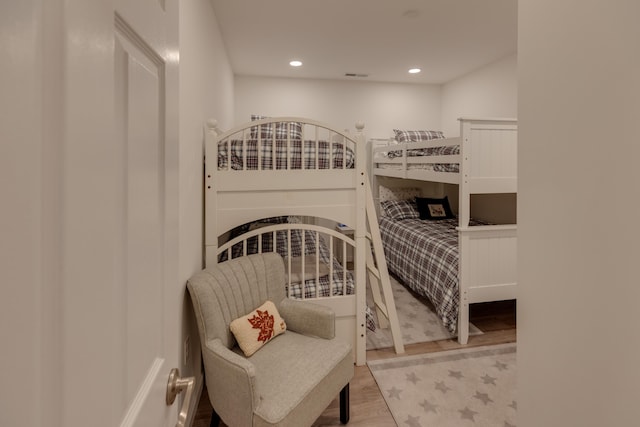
<point>482,160</point>
<point>285,182</point>
<point>456,259</point>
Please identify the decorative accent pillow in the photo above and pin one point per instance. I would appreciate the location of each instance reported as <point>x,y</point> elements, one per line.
<point>397,193</point>
<point>417,135</point>
<point>294,129</point>
<point>431,208</point>
<point>257,328</point>
<point>400,209</point>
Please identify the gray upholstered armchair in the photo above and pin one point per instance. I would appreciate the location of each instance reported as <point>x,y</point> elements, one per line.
<point>292,379</point>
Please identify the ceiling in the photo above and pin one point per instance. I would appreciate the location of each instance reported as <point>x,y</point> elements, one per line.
<point>378,38</point>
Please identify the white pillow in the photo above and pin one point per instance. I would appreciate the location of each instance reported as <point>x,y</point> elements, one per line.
<point>257,328</point>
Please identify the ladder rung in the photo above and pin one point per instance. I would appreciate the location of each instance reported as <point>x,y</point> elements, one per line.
<point>374,270</point>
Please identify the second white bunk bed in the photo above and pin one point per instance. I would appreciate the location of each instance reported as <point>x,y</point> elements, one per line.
<point>266,178</point>
<point>482,160</point>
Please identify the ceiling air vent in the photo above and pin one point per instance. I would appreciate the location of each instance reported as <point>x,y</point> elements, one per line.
<point>355,75</point>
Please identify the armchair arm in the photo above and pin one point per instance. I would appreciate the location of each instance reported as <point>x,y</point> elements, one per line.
<point>230,383</point>
<point>308,318</point>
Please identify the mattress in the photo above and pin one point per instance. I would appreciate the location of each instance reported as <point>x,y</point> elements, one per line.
<point>325,285</point>
<point>420,152</point>
<point>423,254</point>
<point>288,154</point>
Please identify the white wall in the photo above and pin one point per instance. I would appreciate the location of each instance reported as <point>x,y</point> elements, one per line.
<point>30,211</point>
<point>488,92</point>
<point>491,91</point>
<point>206,90</point>
<point>381,106</point>
<point>578,251</point>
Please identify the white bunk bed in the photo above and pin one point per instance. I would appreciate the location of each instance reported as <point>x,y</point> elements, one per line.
<point>483,160</point>
<point>299,168</point>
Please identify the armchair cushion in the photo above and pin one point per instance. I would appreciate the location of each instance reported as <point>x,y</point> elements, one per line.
<point>308,318</point>
<point>297,377</point>
<point>255,329</point>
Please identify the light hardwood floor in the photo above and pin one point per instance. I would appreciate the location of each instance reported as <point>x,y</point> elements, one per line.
<point>496,319</point>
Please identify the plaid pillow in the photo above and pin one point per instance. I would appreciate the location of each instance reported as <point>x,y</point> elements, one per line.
<point>417,135</point>
<point>399,193</point>
<point>294,129</point>
<point>400,209</point>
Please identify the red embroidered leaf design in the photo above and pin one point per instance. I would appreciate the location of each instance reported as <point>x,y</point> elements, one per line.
<point>263,321</point>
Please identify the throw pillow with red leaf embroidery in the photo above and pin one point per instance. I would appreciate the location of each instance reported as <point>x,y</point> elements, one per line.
<point>257,328</point>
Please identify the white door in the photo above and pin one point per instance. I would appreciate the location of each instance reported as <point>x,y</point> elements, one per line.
<point>145,62</point>
<point>90,172</point>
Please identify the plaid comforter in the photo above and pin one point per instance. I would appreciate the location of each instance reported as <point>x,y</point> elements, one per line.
<point>423,254</point>
<point>329,155</point>
<point>324,283</point>
<point>434,151</point>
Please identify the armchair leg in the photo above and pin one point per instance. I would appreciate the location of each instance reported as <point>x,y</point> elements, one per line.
<point>215,419</point>
<point>344,404</point>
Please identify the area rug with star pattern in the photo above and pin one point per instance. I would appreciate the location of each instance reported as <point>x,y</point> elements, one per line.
<point>417,318</point>
<point>467,387</point>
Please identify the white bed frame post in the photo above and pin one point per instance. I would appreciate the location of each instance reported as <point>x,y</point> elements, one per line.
<point>464,215</point>
<point>361,245</point>
<point>487,263</point>
<point>464,196</point>
<point>210,196</point>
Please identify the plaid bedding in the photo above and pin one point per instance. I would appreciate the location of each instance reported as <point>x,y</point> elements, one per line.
<point>325,283</point>
<point>434,151</point>
<point>329,155</point>
<point>423,254</point>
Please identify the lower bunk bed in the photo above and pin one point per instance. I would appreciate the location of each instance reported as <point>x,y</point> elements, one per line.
<point>309,252</point>
<point>451,266</point>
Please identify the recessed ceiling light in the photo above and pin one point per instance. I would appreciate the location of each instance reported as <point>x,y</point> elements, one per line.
<point>295,63</point>
<point>414,70</point>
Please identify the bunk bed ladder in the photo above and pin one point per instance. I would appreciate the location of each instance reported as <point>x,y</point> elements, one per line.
<point>379,275</point>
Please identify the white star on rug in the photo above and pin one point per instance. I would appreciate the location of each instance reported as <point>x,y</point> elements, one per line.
<point>487,379</point>
<point>500,366</point>
<point>413,421</point>
<point>394,392</point>
<point>456,374</point>
<point>440,385</point>
<point>484,397</point>
<point>429,407</point>
<point>467,413</point>
<point>412,378</point>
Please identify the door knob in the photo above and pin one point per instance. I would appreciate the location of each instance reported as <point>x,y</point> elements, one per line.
<point>175,386</point>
